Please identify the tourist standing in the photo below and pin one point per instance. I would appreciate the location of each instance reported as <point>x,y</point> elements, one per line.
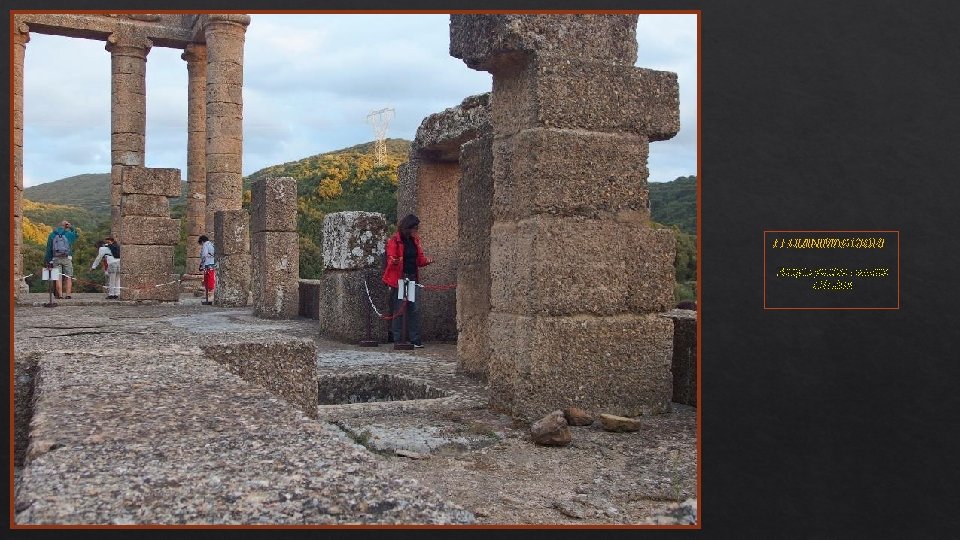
<point>404,259</point>
<point>112,271</point>
<point>207,264</point>
<point>60,254</point>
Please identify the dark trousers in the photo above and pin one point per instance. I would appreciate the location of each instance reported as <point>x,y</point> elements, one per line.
<point>412,317</point>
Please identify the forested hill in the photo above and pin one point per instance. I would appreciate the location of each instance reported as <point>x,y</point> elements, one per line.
<point>88,191</point>
<point>675,203</point>
<point>337,163</point>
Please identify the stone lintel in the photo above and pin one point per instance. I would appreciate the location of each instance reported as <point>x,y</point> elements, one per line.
<point>174,31</point>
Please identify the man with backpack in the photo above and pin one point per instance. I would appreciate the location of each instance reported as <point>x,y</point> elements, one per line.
<point>60,253</point>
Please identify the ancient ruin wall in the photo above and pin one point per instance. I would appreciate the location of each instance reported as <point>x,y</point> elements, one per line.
<point>148,234</point>
<point>429,187</point>
<point>578,279</point>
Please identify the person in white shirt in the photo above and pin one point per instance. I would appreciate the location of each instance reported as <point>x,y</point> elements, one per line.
<point>206,252</point>
<point>112,271</point>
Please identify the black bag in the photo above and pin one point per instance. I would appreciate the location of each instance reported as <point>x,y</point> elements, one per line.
<point>114,250</point>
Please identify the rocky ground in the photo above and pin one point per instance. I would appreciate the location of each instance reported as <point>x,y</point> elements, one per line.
<point>132,416</point>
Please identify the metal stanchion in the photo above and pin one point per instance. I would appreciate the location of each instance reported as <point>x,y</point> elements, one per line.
<point>49,276</point>
<point>368,341</point>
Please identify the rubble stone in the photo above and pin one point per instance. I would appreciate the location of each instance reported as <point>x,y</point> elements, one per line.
<point>551,430</point>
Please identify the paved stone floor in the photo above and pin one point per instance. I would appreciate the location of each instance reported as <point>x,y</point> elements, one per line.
<point>132,424</point>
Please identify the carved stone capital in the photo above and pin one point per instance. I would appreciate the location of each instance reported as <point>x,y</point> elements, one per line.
<point>22,34</point>
<point>236,18</point>
<point>195,52</point>
<point>128,44</point>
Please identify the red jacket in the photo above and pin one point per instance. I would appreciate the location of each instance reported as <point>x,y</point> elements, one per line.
<point>394,270</point>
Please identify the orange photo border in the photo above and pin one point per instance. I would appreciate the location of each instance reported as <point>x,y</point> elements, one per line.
<point>699,15</point>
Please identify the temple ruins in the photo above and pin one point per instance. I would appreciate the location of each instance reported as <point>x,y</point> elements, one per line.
<point>534,201</point>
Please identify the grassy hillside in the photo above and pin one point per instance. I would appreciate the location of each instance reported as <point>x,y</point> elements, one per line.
<point>90,192</point>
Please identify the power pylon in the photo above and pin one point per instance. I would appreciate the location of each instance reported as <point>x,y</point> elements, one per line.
<point>380,120</point>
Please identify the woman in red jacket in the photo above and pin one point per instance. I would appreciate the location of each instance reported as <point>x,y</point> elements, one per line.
<point>404,259</point>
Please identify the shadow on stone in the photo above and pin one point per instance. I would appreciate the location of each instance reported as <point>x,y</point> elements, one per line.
<point>369,387</point>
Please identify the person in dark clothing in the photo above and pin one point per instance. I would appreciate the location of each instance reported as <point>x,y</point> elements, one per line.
<point>404,259</point>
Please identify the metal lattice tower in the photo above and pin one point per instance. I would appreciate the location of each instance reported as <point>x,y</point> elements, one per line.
<point>380,120</point>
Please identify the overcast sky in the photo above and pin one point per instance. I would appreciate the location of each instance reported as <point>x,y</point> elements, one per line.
<point>309,83</point>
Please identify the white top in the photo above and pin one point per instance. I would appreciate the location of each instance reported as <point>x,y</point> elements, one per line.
<point>104,252</point>
<point>206,254</point>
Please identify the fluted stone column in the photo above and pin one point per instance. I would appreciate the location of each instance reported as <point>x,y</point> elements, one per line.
<point>196,56</point>
<point>579,281</point>
<point>128,110</point>
<point>224,35</point>
<point>21,36</point>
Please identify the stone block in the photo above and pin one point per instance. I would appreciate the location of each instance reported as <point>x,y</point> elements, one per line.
<point>274,275</point>
<point>222,143</point>
<point>473,308</point>
<point>684,366</point>
<point>145,205</point>
<point>146,230</point>
<point>309,297</point>
<point>130,121</point>
<point>494,42</point>
<point>154,286</point>
<point>273,205</point>
<point>151,181</point>
<point>591,96</point>
<point>145,259</point>
<point>407,174</point>
<point>440,135</point>
<point>284,366</point>
<point>233,280</point>
<point>549,171</point>
<point>343,305</point>
<point>567,266</point>
<point>620,365</point>
<point>231,232</point>
<point>353,240</point>
<point>224,163</point>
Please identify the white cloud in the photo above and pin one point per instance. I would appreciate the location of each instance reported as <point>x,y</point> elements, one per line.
<point>309,82</point>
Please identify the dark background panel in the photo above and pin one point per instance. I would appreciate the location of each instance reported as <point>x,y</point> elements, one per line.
<point>824,115</point>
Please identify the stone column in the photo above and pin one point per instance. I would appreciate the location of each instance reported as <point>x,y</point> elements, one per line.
<point>578,279</point>
<point>231,242</point>
<point>224,35</point>
<point>128,110</point>
<point>21,36</point>
<point>148,234</point>
<point>196,56</point>
<point>275,252</point>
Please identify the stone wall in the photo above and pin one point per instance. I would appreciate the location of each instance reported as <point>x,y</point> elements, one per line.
<point>309,298</point>
<point>275,251</point>
<point>288,368</point>
<point>429,186</point>
<point>352,246</point>
<point>578,279</point>
<point>684,365</point>
<point>148,234</point>
<point>473,275</point>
